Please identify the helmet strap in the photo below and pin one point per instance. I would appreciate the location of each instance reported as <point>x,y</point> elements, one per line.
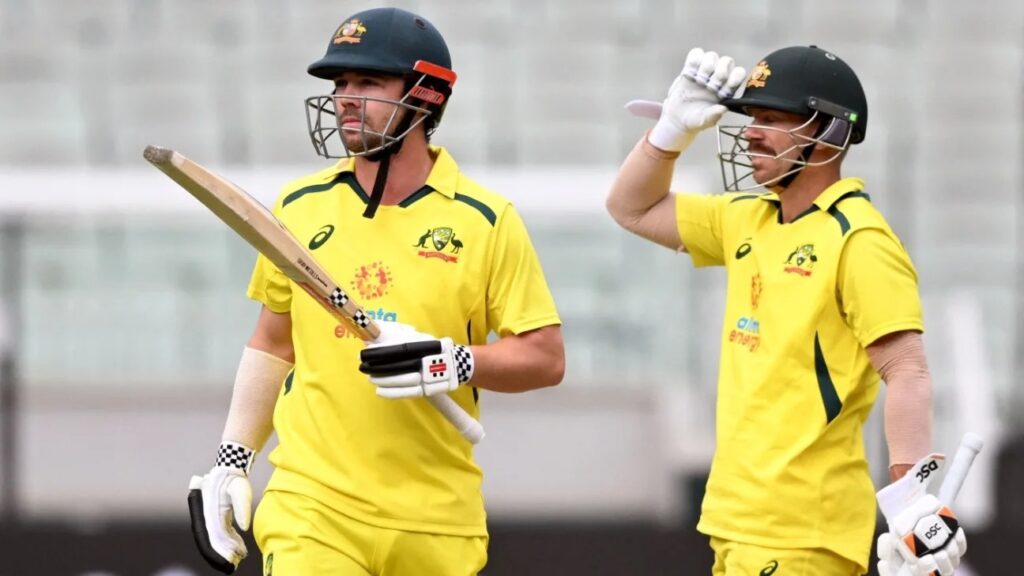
<point>384,157</point>
<point>805,154</point>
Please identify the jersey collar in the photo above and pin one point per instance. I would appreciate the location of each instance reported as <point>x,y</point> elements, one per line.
<point>443,176</point>
<point>828,196</point>
<point>837,190</point>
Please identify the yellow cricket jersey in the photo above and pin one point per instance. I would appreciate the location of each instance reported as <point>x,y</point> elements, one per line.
<point>452,259</point>
<point>795,383</point>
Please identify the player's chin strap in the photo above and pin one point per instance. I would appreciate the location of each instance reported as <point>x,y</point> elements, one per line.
<point>826,132</point>
<point>384,157</point>
<point>805,157</point>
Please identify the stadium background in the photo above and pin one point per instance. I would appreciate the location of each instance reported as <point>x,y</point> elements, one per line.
<point>122,308</point>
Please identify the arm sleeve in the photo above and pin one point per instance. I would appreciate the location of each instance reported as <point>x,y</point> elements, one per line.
<point>900,359</point>
<point>877,286</point>
<point>269,285</point>
<point>699,219</point>
<point>518,299</point>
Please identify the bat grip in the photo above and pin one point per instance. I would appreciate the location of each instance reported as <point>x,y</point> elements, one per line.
<point>470,429</point>
<point>969,448</point>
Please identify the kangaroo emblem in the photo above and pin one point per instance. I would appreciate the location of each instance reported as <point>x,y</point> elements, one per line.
<point>423,240</point>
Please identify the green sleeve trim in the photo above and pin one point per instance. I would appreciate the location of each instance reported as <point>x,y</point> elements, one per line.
<point>480,207</point>
<point>342,177</point>
<point>844,222</point>
<point>829,396</point>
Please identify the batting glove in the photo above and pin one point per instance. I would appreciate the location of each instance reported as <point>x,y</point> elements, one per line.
<point>217,498</point>
<point>924,537</point>
<point>405,363</point>
<point>693,101</point>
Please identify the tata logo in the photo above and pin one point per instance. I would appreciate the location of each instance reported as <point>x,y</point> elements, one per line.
<point>321,237</point>
<point>378,315</point>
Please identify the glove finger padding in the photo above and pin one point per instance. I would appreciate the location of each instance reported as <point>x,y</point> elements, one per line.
<point>420,366</point>
<point>945,562</point>
<point>732,84</point>
<point>218,544</point>
<point>690,66</point>
<point>239,493</point>
<point>707,67</point>
<point>218,498</point>
<point>923,530</point>
<point>721,73</point>
<point>890,562</point>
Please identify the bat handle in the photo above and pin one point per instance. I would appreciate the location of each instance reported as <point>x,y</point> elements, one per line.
<point>466,425</point>
<point>969,448</point>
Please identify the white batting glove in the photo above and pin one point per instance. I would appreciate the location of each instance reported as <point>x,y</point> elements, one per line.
<point>216,499</point>
<point>925,537</point>
<point>693,101</point>
<point>405,363</point>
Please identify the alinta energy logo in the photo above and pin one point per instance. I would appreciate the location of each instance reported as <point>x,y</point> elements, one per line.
<point>746,333</point>
<point>442,239</point>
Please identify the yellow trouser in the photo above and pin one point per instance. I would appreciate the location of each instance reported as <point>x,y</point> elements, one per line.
<point>737,559</point>
<point>299,536</point>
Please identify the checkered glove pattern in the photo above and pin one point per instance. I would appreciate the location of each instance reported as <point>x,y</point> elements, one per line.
<point>234,455</point>
<point>406,363</point>
<point>463,363</point>
<point>218,502</point>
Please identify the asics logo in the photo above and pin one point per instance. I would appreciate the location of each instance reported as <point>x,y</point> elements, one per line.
<point>321,237</point>
<point>743,250</point>
<point>770,568</point>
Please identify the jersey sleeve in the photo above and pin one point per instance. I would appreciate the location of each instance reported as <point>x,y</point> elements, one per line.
<point>268,284</point>
<point>878,286</point>
<point>699,220</point>
<point>518,299</point>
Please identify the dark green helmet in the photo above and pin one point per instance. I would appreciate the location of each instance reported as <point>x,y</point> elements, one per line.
<point>805,80</point>
<point>387,40</point>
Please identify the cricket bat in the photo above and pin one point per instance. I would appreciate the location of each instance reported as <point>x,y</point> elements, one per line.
<point>258,226</point>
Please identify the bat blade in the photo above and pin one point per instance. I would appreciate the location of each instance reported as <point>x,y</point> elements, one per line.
<point>256,225</point>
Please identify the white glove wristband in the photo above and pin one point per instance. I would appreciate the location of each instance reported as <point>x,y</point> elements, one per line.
<point>667,137</point>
